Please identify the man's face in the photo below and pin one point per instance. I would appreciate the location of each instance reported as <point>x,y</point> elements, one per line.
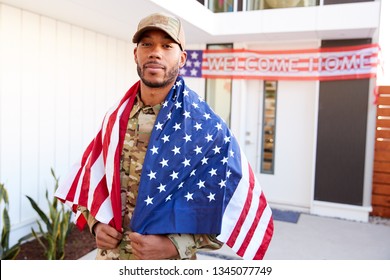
<point>158,58</point>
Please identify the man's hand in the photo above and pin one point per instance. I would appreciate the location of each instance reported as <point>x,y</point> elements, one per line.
<point>152,247</point>
<point>107,237</point>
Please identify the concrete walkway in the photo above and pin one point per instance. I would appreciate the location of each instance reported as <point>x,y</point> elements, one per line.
<point>319,238</point>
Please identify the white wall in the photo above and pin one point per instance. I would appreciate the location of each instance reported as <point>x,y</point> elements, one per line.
<point>56,82</point>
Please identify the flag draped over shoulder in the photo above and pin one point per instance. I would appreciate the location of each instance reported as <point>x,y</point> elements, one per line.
<point>195,179</point>
<point>94,182</point>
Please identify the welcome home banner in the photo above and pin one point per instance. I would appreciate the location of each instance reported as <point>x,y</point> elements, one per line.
<point>351,62</point>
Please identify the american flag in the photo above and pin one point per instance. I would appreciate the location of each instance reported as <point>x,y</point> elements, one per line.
<point>195,179</point>
<point>193,66</point>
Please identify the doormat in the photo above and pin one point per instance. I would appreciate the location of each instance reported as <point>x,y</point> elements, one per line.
<point>285,216</point>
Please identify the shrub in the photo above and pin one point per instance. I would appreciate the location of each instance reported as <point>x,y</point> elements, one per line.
<point>58,226</point>
<point>6,253</point>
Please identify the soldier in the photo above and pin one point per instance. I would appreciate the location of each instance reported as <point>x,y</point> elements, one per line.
<point>132,166</point>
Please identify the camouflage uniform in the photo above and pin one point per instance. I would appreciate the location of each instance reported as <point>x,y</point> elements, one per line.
<point>139,128</point>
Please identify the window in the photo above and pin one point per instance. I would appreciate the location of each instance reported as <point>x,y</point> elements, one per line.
<point>220,6</point>
<point>277,4</point>
<point>269,127</point>
<point>219,91</point>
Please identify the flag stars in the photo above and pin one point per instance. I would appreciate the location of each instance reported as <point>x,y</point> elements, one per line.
<point>198,126</point>
<point>217,150</point>
<point>178,104</point>
<point>193,173</point>
<point>159,126</point>
<point>174,175</point>
<point>176,127</point>
<point>162,187</point>
<point>213,172</point>
<point>200,184</point>
<point>149,200</point>
<point>189,63</point>
<point>218,126</point>
<point>204,160</point>
<point>227,139</point>
<point>187,114</point>
<point>222,183</point>
<point>196,106</point>
<point>206,116</point>
<point>176,150</point>
<point>154,150</point>
<point>231,153</point>
<point>224,160</point>
<point>194,55</point>
<point>228,173</point>
<point>187,138</point>
<point>181,185</point>
<point>165,104</point>
<point>209,137</point>
<point>178,83</point>
<point>185,92</point>
<point>165,138</point>
<point>198,150</point>
<point>211,197</point>
<point>194,72</point>
<point>164,162</point>
<point>152,175</point>
<point>189,196</point>
<point>169,197</point>
<point>186,162</point>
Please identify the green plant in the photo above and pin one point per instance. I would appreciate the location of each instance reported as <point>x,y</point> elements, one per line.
<point>57,224</point>
<point>6,253</point>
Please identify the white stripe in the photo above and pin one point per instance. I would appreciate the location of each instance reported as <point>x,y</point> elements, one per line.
<point>234,208</point>
<point>107,116</point>
<point>63,189</point>
<point>252,210</point>
<point>105,213</point>
<point>258,234</point>
<point>97,173</point>
<point>114,140</point>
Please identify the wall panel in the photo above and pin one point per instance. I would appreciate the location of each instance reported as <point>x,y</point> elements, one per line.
<point>57,81</point>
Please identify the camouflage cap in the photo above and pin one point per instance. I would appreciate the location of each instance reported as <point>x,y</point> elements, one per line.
<point>165,22</point>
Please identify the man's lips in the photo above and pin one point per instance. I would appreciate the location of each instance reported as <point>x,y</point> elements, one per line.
<point>153,66</point>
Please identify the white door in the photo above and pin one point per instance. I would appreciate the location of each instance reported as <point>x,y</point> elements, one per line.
<point>291,184</point>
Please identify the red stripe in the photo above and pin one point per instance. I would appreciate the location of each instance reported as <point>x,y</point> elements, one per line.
<point>81,222</point>
<point>116,189</point>
<point>72,190</point>
<point>293,78</point>
<point>86,183</point>
<point>300,51</point>
<point>233,237</point>
<point>251,231</point>
<point>99,196</point>
<point>266,241</point>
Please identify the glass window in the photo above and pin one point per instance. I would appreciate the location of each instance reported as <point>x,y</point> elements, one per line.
<point>219,91</point>
<point>269,127</point>
<point>277,4</point>
<point>221,6</point>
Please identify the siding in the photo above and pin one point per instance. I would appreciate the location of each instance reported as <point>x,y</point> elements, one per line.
<point>56,82</point>
<point>381,178</point>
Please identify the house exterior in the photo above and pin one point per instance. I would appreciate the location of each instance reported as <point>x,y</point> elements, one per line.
<point>64,63</point>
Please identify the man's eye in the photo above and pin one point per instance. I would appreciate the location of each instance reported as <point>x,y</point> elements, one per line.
<point>168,46</point>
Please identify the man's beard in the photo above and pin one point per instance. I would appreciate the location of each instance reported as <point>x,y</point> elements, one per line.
<point>169,77</point>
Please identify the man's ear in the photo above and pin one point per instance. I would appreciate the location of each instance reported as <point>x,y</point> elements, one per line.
<point>135,55</point>
<point>183,59</point>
